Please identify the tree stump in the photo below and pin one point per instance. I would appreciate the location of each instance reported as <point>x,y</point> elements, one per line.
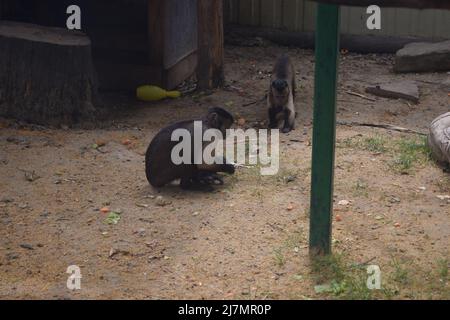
<point>46,74</point>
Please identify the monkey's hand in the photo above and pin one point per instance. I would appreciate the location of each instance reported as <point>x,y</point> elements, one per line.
<point>210,178</point>
<point>229,168</point>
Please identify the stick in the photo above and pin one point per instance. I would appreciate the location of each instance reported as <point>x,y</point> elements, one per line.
<point>382,126</point>
<point>254,102</point>
<point>365,263</point>
<point>360,95</point>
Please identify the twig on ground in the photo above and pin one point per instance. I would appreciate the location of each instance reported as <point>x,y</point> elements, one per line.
<point>382,126</point>
<point>360,95</point>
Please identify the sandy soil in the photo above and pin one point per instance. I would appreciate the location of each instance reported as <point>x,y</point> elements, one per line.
<point>247,240</point>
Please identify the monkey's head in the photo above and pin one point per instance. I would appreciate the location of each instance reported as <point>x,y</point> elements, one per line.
<point>219,118</point>
<point>280,91</point>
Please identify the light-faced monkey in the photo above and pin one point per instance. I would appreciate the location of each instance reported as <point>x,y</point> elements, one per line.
<point>281,95</point>
<point>160,169</point>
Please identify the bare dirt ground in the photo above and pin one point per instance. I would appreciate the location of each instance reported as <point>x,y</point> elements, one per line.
<point>249,239</point>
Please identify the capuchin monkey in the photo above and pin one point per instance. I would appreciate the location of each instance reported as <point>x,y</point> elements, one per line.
<point>159,168</point>
<point>281,95</point>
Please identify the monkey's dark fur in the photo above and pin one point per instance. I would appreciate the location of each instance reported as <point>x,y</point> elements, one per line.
<point>159,168</point>
<point>281,95</point>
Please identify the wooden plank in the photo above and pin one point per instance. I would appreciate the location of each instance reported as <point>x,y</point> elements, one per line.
<point>256,12</point>
<point>442,24</point>
<point>403,22</point>
<point>388,21</point>
<point>156,13</point>
<point>345,18</point>
<point>414,27</point>
<point>267,14</point>
<point>210,72</point>
<point>290,14</point>
<point>426,23</point>
<point>420,4</point>
<point>309,21</point>
<point>180,30</point>
<point>300,13</point>
<point>277,7</point>
<point>249,12</point>
<point>357,21</point>
<point>235,10</point>
<point>245,13</point>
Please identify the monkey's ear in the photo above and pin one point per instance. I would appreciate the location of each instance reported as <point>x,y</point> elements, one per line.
<point>213,119</point>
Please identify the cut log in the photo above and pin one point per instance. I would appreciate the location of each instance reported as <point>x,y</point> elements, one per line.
<point>439,139</point>
<point>46,74</point>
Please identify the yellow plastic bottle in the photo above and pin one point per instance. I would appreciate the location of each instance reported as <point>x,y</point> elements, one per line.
<point>154,93</point>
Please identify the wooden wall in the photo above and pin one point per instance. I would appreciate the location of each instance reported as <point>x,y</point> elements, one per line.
<point>299,15</point>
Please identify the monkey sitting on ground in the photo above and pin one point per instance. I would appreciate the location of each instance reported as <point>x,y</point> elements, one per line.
<point>160,169</point>
<point>281,95</point>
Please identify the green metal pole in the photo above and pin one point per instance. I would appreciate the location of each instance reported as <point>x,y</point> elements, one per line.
<point>324,130</point>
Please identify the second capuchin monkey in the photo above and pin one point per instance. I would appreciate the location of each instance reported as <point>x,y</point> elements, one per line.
<point>160,168</point>
<point>281,95</point>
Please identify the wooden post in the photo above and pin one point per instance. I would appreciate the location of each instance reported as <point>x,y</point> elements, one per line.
<point>210,44</point>
<point>324,131</point>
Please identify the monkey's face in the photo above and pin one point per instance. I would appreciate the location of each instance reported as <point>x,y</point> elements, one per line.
<point>280,92</point>
<point>219,122</point>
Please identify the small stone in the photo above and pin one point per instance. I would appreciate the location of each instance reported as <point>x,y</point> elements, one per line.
<point>112,252</point>
<point>160,201</point>
<point>23,206</point>
<point>140,232</point>
<point>27,246</point>
<point>290,178</point>
<point>6,200</point>
<point>344,203</point>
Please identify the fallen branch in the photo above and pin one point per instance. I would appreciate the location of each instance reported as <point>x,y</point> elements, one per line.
<point>382,126</point>
<point>360,95</point>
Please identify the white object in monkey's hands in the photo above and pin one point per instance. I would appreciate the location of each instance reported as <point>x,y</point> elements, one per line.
<point>439,138</point>
<point>237,165</point>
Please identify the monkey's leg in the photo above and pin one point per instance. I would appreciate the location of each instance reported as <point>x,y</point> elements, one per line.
<point>289,115</point>
<point>194,184</point>
<point>208,177</point>
<point>288,121</point>
<point>273,121</point>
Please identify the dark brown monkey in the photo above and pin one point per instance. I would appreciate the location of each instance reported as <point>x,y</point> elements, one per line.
<point>160,169</point>
<point>281,95</point>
